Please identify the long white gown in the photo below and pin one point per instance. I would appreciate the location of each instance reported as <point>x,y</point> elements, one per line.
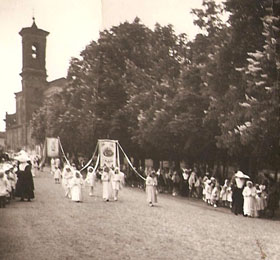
<point>105,178</point>
<point>249,206</point>
<point>76,189</point>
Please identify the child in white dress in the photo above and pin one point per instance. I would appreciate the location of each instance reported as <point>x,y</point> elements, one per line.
<point>3,190</point>
<point>215,195</point>
<point>117,182</point>
<point>67,175</point>
<point>57,174</point>
<point>208,190</point>
<point>224,193</point>
<point>151,191</point>
<point>90,179</point>
<point>229,197</point>
<point>76,185</point>
<point>105,178</point>
<point>249,193</point>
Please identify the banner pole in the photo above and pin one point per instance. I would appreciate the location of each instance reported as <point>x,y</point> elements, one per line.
<point>63,152</point>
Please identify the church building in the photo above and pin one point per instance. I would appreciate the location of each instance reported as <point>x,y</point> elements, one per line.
<point>35,89</point>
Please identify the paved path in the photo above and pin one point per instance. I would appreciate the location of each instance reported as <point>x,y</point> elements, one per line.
<point>54,228</point>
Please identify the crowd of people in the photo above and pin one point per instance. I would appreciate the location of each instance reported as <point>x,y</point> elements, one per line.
<point>238,193</point>
<point>73,181</point>
<point>16,179</point>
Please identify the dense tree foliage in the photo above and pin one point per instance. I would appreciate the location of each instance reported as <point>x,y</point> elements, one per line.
<point>213,99</point>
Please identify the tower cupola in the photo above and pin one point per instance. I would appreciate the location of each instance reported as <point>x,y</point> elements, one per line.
<point>33,49</point>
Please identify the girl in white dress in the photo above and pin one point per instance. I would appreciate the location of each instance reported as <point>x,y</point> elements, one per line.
<point>229,197</point>
<point>57,174</point>
<point>52,166</point>
<point>90,179</point>
<point>105,178</point>
<point>76,185</point>
<point>208,190</point>
<point>215,195</point>
<point>249,193</point>
<point>151,191</point>
<point>117,182</point>
<point>67,175</point>
<point>3,190</point>
<point>224,193</point>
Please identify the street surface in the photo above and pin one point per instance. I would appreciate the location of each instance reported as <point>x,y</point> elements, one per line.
<point>52,227</point>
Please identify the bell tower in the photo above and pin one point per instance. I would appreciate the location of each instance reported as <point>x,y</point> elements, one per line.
<point>34,76</point>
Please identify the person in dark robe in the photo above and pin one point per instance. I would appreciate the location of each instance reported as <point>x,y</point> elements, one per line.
<point>237,199</point>
<point>25,184</point>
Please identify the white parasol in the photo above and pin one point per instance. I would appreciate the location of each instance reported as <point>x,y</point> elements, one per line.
<point>241,175</point>
<point>240,179</point>
<point>22,156</point>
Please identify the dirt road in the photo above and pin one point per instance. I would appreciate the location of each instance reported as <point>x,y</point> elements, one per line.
<point>54,228</point>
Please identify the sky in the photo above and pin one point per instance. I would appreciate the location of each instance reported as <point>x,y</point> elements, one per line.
<point>73,24</point>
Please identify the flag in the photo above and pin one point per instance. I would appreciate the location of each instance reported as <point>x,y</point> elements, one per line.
<point>108,153</point>
<point>52,147</point>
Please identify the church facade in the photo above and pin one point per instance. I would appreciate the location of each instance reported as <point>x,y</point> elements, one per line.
<point>35,89</point>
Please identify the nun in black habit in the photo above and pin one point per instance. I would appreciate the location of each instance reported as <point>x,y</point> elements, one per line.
<point>237,189</point>
<point>25,184</point>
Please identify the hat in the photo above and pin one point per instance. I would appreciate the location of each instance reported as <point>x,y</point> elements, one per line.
<point>22,156</point>
<point>249,182</point>
<point>241,175</point>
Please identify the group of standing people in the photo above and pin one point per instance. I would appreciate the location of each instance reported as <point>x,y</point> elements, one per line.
<point>73,182</point>
<point>112,180</point>
<point>16,179</point>
<point>239,193</point>
<point>251,199</point>
<point>8,180</point>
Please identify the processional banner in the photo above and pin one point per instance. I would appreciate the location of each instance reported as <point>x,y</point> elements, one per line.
<point>108,153</point>
<point>52,147</point>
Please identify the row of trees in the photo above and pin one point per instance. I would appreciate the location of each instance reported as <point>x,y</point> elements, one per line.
<point>213,99</point>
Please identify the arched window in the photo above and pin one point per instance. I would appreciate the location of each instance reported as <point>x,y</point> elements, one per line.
<point>34,49</point>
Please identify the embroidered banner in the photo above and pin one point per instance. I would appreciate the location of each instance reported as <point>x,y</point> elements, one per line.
<point>107,152</point>
<point>52,147</point>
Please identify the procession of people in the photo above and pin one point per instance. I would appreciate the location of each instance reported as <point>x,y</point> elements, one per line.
<point>239,194</point>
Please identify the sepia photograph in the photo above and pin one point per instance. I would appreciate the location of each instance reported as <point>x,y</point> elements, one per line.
<point>140,129</point>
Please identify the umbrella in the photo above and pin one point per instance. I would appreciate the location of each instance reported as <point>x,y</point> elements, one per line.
<point>241,175</point>
<point>22,156</point>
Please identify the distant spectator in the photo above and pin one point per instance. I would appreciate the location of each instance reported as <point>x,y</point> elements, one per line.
<point>176,183</point>
<point>215,195</point>
<point>192,180</point>
<point>224,193</point>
